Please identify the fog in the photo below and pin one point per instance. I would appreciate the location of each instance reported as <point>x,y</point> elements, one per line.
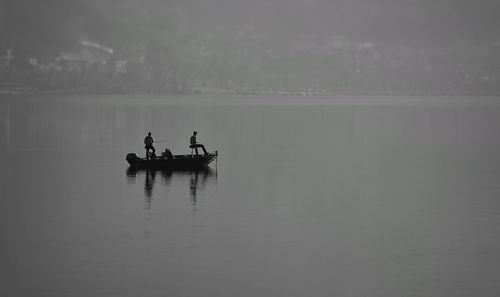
<point>284,42</point>
<point>421,23</point>
<point>356,152</point>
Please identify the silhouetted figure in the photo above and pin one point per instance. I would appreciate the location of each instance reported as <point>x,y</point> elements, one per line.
<point>195,145</point>
<point>148,141</point>
<point>167,154</point>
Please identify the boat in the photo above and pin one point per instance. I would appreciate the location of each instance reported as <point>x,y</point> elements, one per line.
<point>169,161</point>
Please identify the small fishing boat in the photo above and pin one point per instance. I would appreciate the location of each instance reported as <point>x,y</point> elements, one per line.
<point>169,161</point>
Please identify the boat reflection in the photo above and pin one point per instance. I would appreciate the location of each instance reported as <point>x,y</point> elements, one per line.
<point>198,180</point>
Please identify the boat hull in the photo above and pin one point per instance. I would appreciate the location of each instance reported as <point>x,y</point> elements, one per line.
<point>177,162</point>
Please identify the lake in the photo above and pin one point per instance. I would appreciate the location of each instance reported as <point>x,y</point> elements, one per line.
<point>310,196</point>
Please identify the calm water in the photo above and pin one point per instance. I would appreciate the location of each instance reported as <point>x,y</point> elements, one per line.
<point>310,197</point>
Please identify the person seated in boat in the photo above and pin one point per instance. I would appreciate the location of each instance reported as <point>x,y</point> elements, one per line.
<point>195,145</point>
<point>167,154</point>
<point>148,141</point>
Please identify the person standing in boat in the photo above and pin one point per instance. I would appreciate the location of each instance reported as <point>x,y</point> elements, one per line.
<point>194,144</point>
<point>148,141</point>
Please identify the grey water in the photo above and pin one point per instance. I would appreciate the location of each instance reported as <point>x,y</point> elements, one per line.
<point>311,196</point>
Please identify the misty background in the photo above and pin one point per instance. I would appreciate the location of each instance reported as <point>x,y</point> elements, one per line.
<point>330,195</point>
<point>271,46</point>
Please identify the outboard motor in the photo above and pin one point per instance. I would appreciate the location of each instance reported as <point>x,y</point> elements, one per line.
<point>132,158</point>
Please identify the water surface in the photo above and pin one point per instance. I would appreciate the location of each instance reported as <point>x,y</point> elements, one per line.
<point>311,196</point>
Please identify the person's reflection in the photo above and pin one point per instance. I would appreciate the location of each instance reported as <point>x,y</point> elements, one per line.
<point>198,180</point>
<point>193,186</point>
<point>148,187</point>
<point>166,176</point>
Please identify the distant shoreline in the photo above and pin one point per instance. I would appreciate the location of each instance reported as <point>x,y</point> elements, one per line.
<point>22,90</point>
<point>16,90</point>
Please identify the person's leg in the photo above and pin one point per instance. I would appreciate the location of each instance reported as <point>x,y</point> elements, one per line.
<point>147,153</point>
<point>203,148</point>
